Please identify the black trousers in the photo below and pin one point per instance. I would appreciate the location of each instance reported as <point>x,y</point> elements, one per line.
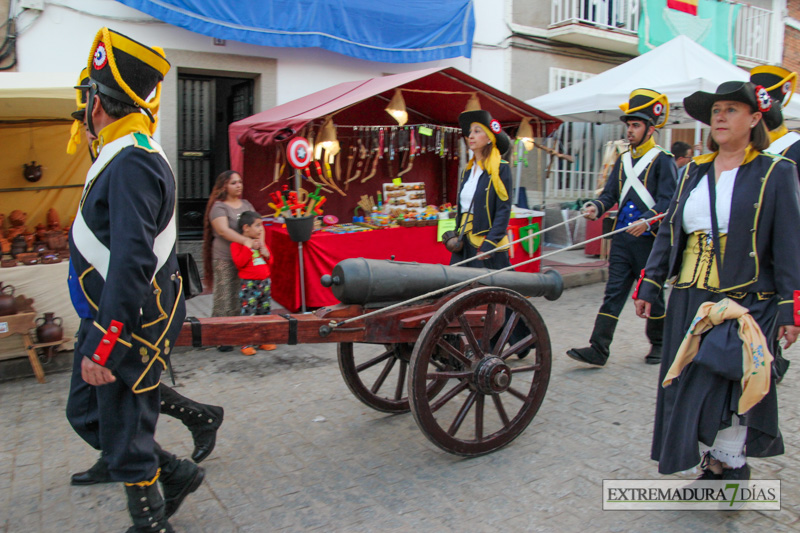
<point>114,420</point>
<point>625,263</point>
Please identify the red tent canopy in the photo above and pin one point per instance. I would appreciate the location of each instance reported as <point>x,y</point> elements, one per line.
<point>432,96</point>
<point>443,94</point>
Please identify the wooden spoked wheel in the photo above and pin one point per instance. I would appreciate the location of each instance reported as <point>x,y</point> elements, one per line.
<point>376,374</point>
<point>488,395</point>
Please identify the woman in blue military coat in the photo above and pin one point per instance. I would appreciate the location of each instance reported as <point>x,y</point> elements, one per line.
<point>716,256</point>
<point>484,203</point>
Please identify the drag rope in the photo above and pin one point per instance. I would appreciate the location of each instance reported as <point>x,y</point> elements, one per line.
<point>334,325</point>
<point>529,237</point>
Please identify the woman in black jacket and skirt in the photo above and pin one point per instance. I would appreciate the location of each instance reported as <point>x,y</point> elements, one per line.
<point>484,203</point>
<point>706,402</point>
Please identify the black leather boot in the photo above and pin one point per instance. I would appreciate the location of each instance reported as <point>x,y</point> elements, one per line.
<point>600,342</point>
<point>655,333</point>
<point>98,473</point>
<point>146,507</point>
<point>201,419</point>
<point>179,478</point>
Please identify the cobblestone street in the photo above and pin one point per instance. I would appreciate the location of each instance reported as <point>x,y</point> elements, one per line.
<point>298,452</point>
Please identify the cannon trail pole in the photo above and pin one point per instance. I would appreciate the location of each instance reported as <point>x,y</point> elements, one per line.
<point>528,237</point>
<point>326,330</point>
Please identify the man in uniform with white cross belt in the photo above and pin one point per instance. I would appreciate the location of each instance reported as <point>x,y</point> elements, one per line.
<point>125,283</point>
<point>642,183</point>
<point>780,84</point>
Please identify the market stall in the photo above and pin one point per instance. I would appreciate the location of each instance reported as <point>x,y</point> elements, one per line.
<point>387,149</point>
<point>40,187</point>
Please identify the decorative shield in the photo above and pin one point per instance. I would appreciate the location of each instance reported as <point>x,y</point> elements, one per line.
<point>298,152</point>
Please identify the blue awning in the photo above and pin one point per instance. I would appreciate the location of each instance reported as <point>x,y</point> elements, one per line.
<point>410,31</point>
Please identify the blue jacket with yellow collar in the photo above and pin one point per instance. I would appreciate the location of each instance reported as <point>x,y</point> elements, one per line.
<point>658,177</point>
<point>124,276</point>
<point>490,213</point>
<point>758,255</point>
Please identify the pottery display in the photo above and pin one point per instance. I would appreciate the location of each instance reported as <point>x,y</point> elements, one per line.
<point>49,328</point>
<point>8,306</point>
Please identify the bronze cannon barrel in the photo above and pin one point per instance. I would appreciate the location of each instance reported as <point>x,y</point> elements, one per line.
<point>363,281</point>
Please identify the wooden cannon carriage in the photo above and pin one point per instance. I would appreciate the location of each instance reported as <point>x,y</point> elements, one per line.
<point>447,359</point>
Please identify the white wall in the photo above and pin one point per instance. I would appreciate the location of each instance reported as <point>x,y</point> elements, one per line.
<point>58,39</point>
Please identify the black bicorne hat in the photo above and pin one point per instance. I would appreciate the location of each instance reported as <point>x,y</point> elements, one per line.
<point>698,104</point>
<point>480,116</point>
<point>648,105</point>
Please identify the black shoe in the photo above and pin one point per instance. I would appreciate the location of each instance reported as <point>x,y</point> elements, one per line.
<point>146,507</point>
<point>654,356</point>
<point>98,473</point>
<point>224,348</point>
<point>179,479</point>
<point>736,473</point>
<point>709,475</point>
<point>589,355</point>
<point>205,435</point>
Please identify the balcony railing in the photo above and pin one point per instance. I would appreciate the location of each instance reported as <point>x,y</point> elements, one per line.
<point>751,38</point>
<point>620,15</point>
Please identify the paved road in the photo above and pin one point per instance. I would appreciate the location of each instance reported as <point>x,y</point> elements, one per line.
<point>298,452</point>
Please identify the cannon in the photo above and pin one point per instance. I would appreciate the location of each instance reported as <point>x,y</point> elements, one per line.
<point>471,361</point>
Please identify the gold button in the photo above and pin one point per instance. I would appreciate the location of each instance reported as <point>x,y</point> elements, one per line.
<point>114,329</point>
<point>145,359</point>
<point>142,351</point>
<point>752,254</point>
<point>172,277</point>
<point>96,357</point>
<point>755,205</point>
<point>106,341</point>
<point>166,350</point>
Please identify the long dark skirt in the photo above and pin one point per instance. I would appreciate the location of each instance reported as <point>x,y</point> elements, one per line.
<point>704,398</point>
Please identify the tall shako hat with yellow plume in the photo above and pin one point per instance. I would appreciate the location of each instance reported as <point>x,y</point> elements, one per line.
<point>647,105</point>
<point>125,70</point>
<point>780,84</point>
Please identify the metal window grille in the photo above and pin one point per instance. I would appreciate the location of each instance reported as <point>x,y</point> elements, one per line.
<point>582,140</point>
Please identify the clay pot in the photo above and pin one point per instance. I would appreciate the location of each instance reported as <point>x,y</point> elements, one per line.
<point>28,258</point>
<point>32,172</point>
<point>53,220</point>
<point>41,231</point>
<point>18,245</point>
<point>49,330</point>
<point>5,246</point>
<point>40,247</point>
<point>56,240</point>
<point>17,218</point>
<point>8,306</point>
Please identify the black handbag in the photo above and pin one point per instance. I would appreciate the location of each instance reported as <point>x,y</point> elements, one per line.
<point>192,283</point>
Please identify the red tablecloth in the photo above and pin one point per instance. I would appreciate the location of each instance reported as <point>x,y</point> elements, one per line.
<point>325,250</point>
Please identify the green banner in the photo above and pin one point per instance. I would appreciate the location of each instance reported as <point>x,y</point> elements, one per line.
<point>713,27</point>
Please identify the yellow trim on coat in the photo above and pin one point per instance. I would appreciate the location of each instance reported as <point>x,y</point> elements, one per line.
<point>163,314</point>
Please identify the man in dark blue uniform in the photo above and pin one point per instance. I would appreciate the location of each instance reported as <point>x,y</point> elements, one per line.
<point>125,283</point>
<point>780,84</point>
<point>202,420</point>
<point>642,183</point>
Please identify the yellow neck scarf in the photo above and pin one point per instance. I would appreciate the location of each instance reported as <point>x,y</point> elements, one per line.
<point>643,148</point>
<point>756,358</point>
<point>491,165</point>
<point>133,123</point>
